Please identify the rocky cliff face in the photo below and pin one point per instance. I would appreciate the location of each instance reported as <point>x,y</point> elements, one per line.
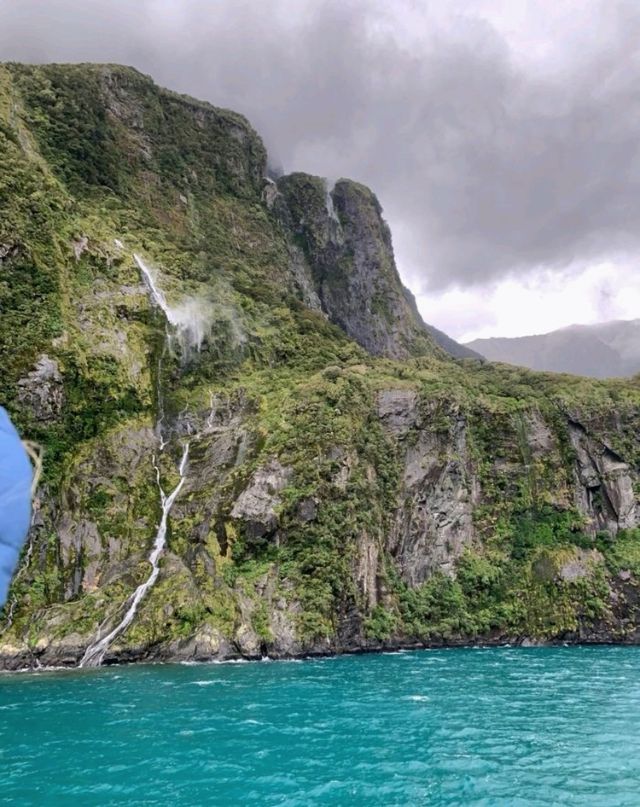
<point>348,485</point>
<point>343,262</point>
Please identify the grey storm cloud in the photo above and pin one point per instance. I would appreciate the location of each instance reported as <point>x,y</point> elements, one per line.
<point>485,164</point>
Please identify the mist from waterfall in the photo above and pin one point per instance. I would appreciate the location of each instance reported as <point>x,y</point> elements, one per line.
<point>188,324</point>
<point>190,321</point>
<point>329,204</point>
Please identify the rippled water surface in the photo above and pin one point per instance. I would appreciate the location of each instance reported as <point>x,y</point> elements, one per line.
<point>440,727</point>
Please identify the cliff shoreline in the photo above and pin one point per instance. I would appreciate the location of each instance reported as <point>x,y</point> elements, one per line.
<point>16,664</point>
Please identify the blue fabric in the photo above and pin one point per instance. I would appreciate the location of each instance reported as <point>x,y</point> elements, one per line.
<point>15,500</point>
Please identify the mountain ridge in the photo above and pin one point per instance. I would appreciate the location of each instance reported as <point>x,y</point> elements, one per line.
<point>601,350</point>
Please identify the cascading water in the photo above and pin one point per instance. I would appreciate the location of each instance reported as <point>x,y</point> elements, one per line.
<point>190,320</point>
<point>330,208</point>
<point>95,653</point>
<point>188,324</point>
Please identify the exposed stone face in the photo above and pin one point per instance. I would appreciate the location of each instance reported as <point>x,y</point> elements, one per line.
<point>441,490</point>
<point>580,565</point>
<point>79,246</point>
<point>267,621</point>
<point>397,408</point>
<point>8,250</point>
<point>434,522</point>
<point>346,245</point>
<point>81,550</point>
<point>367,569</point>
<point>239,159</point>
<point>302,279</point>
<point>42,390</point>
<point>307,510</point>
<point>605,484</point>
<point>206,644</point>
<point>342,263</point>
<point>331,501</point>
<point>257,504</point>
<point>540,437</point>
<point>95,497</point>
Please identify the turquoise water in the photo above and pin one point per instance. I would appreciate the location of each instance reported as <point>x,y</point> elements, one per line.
<point>440,727</point>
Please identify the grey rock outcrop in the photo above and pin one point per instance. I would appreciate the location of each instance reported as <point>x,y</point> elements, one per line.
<point>580,565</point>
<point>329,501</point>
<point>42,390</point>
<point>434,520</point>
<point>342,263</point>
<point>341,243</point>
<point>8,250</point>
<point>605,492</point>
<point>257,505</point>
<point>397,408</point>
<point>79,246</point>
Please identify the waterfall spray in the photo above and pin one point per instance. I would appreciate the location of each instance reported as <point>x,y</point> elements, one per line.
<point>190,321</point>
<point>187,324</point>
<point>333,216</point>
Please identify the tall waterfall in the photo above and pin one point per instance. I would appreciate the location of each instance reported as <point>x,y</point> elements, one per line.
<point>188,324</point>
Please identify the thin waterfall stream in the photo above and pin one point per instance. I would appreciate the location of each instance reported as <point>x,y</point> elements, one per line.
<point>185,322</point>
<point>94,654</point>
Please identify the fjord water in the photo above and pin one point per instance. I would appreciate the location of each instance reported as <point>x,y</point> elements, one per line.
<point>493,727</point>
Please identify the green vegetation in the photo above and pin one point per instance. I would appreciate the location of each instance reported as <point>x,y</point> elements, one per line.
<point>98,163</point>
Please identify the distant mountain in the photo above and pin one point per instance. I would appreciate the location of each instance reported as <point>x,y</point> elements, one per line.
<point>452,347</point>
<point>606,350</point>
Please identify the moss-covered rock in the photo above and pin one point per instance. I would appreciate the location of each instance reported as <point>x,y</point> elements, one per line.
<point>349,486</point>
<point>340,241</point>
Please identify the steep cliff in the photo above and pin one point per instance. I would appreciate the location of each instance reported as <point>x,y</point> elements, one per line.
<point>347,484</point>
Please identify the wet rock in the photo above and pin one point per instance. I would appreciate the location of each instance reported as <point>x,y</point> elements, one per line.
<point>434,523</point>
<point>604,490</point>
<point>42,391</point>
<point>257,504</point>
<point>366,569</point>
<point>397,408</point>
<point>206,644</point>
<point>540,438</point>
<point>81,552</point>
<point>531,642</point>
<point>341,244</point>
<point>285,642</point>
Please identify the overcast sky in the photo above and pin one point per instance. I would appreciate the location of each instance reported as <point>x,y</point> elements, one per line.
<point>501,136</point>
